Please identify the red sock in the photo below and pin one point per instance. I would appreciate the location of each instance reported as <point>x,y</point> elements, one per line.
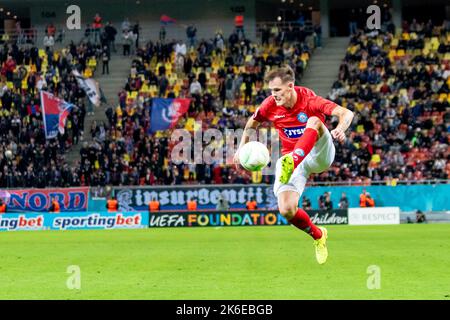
<point>304,145</point>
<point>302,221</point>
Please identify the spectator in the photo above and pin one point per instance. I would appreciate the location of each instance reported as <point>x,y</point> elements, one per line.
<point>153,205</point>
<point>252,204</point>
<point>353,21</point>
<point>127,42</point>
<point>112,205</point>
<point>111,35</point>
<point>318,36</point>
<point>54,206</point>
<point>136,30</point>
<point>88,32</point>
<point>191,33</point>
<point>3,208</point>
<point>306,203</point>
<point>322,201</point>
<point>239,26</point>
<point>180,49</point>
<point>195,88</point>
<point>162,34</point>
<point>49,42</point>
<point>369,201</point>
<point>265,35</point>
<point>105,60</point>
<point>126,25</point>
<point>192,204</point>
<point>96,27</point>
<point>363,199</point>
<point>343,203</point>
<point>328,204</point>
<point>222,204</point>
<point>420,217</point>
<point>51,30</point>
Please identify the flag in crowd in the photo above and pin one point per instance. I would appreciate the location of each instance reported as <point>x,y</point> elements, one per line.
<point>167,112</point>
<point>55,112</point>
<point>90,87</point>
<point>165,19</point>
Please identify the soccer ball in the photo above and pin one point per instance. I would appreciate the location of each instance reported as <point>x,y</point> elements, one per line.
<point>254,156</point>
<point>8,154</point>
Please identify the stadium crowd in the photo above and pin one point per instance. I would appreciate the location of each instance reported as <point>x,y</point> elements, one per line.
<point>225,83</point>
<point>399,88</point>
<point>27,158</point>
<point>398,84</point>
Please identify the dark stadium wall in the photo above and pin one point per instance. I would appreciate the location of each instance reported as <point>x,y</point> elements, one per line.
<point>207,15</point>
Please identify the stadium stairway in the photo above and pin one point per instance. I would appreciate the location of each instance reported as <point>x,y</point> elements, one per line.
<point>110,84</point>
<point>323,68</point>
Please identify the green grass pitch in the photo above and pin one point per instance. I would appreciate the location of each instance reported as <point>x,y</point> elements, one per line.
<point>227,263</point>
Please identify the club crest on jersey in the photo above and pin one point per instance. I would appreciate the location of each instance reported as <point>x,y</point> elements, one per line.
<point>295,132</point>
<point>302,117</point>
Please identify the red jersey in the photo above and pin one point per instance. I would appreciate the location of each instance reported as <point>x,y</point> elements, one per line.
<point>291,122</point>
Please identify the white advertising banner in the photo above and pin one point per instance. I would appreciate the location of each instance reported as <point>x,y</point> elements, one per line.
<point>374,216</point>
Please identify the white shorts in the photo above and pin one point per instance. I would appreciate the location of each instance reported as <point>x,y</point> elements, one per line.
<point>318,160</point>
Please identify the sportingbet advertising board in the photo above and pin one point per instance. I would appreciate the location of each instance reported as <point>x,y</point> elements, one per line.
<point>70,221</point>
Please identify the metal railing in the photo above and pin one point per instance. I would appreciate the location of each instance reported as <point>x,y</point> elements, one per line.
<point>283,25</point>
<point>377,183</point>
<point>24,36</point>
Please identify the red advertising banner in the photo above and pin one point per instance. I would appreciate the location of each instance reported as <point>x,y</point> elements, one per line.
<point>70,199</point>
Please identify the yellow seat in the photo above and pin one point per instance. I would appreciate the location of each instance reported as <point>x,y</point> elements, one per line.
<point>363,65</point>
<point>133,94</point>
<point>41,53</point>
<point>376,158</point>
<point>394,43</point>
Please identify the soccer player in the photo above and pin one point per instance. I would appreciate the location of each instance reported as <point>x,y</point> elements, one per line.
<point>307,146</point>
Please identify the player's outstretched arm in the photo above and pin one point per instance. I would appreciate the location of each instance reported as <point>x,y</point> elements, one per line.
<point>345,120</point>
<point>251,124</point>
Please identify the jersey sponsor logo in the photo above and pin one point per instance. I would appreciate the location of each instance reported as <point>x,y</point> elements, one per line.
<point>279,116</point>
<point>295,132</point>
<point>302,117</point>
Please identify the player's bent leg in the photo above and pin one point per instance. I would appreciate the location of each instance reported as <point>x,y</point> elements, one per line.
<point>313,131</point>
<point>288,206</point>
<point>322,156</point>
<point>288,196</point>
<point>316,124</point>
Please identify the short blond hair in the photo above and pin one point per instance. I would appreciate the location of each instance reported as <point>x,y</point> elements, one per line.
<point>285,73</point>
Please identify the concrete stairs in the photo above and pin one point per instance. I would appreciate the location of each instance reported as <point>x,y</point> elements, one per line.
<point>323,68</point>
<point>111,84</point>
